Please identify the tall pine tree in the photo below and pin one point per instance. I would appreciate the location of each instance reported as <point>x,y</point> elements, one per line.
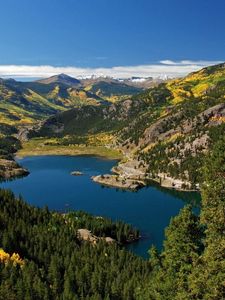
<point>207,280</point>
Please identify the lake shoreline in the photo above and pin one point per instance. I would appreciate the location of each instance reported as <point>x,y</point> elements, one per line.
<point>102,152</point>
<point>129,173</point>
<point>115,181</point>
<point>51,184</point>
<point>122,180</point>
<point>10,169</point>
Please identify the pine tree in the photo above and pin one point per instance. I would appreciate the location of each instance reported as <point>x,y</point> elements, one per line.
<point>171,269</point>
<point>207,280</point>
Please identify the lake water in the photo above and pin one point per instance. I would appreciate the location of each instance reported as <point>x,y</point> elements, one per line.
<point>51,184</point>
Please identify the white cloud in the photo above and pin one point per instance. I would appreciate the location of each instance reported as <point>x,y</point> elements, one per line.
<point>189,62</point>
<point>164,67</point>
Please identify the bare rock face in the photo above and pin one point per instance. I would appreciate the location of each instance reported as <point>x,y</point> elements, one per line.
<point>25,130</point>
<point>163,128</point>
<point>131,169</point>
<point>159,130</point>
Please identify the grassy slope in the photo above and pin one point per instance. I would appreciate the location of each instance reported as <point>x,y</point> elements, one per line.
<point>190,95</point>
<point>112,91</point>
<point>25,103</point>
<point>43,146</point>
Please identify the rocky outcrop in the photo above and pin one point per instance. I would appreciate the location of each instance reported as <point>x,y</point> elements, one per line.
<point>86,235</point>
<point>10,169</point>
<point>25,130</point>
<point>121,182</point>
<point>165,127</point>
<point>122,110</point>
<point>130,169</point>
<point>164,130</point>
<point>126,176</point>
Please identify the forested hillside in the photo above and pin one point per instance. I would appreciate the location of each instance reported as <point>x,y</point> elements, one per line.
<point>191,265</point>
<point>43,258</point>
<point>166,130</point>
<point>53,263</point>
<point>9,145</point>
<point>173,134</point>
<point>24,103</point>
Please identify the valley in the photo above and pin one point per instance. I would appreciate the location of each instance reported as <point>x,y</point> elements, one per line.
<point>23,103</point>
<point>112,150</point>
<point>164,132</point>
<point>171,135</point>
<point>50,183</point>
<point>42,146</point>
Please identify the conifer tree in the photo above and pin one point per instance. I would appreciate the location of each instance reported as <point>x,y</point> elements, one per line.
<point>169,279</point>
<point>207,280</point>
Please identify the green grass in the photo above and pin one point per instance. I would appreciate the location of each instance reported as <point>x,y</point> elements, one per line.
<point>38,146</point>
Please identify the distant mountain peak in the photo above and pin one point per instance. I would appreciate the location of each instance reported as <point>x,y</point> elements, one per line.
<point>64,76</point>
<point>62,79</point>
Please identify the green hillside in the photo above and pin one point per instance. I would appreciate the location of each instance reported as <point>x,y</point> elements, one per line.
<point>168,128</point>
<point>24,103</point>
<point>112,90</point>
<point>43,257</point>
<point>174,134</point>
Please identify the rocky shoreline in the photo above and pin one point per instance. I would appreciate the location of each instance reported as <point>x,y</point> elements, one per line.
<point>125,176</point>
<point>173,183</point>
<point>10,169</point>
<point>129,175</point>
<point>119,182</point>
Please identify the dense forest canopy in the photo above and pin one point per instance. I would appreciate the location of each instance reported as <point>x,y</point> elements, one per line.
<point>56,263</point>
<point>191,264</point>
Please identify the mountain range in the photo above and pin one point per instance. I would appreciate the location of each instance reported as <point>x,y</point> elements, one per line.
<point>173,134</point>
<point>165,130</point>
<point>27,102</point>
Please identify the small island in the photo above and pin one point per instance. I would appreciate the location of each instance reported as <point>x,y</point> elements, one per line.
<point>76,173</point>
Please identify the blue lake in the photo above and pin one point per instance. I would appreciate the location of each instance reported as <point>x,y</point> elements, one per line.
<point>51,184</point>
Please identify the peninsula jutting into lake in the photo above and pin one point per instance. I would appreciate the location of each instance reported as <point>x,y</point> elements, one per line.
<point>50,183</point>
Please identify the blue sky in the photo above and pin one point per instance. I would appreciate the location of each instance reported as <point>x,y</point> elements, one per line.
<point>110,33</point>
